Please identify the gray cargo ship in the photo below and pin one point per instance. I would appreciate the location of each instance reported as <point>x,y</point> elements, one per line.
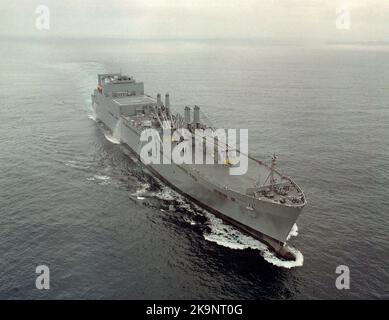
<point>266,210</point>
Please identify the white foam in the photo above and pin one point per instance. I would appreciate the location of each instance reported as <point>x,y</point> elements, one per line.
<point>76,164</point>
<point>141,191</point>
<point>166,194</point>
<point>111,138</point>
<point>99,177</point>
<point>271,258</point>
<point>189,220</point>
<point>92,117</point>
<point>227,236</point>
<point>294,232</point>
<point>103,180</point>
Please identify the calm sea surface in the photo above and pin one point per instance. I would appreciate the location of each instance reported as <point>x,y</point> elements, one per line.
<point>82,205</point>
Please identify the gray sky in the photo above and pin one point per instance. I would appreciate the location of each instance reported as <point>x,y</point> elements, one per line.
<point>274,20</point>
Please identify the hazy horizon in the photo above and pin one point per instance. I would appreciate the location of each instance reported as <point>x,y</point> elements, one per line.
<point>287,21</point>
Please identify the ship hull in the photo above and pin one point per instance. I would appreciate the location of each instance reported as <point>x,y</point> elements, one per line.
<point>268,222</point>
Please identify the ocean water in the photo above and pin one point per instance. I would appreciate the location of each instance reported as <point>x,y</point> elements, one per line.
<point>74,199</point>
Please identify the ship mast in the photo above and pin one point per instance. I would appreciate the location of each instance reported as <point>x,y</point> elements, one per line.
<point>271,174</point>
<point>273,165</point>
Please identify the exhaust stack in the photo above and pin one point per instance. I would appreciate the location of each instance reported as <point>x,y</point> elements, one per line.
<point>187,115</point>
<point>167,100</point>
<point>196,116</point>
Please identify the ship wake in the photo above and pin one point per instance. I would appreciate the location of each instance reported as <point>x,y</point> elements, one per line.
<point>228,236</point>
<point>217,231</point>
<point>111,138</point>
<point>93,116</point>
<point>115,136</point>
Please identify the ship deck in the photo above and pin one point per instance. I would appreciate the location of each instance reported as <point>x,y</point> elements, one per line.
<point>135,100</point>
<point>256,177</point>
<point>221,175</point>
